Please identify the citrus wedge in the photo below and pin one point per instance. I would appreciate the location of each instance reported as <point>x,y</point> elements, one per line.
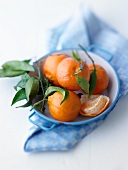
<point>94,105</point>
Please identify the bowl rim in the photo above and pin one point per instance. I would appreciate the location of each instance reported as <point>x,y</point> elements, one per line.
<point>108,110</point>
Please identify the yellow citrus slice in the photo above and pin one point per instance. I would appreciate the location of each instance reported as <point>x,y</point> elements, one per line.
<point>94,105</point>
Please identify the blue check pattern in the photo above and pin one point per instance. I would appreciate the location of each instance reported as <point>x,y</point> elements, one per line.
<point>62,137</point>
<point>83,28</point>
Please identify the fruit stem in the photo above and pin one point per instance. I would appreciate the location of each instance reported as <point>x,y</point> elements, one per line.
<point>37,103</point>
<point>88,56</point>
<point>79,69</point>
<point>38,69</point>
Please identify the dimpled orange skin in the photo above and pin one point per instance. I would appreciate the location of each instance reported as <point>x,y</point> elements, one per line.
<point>68,110</point>
<point>102,78</point>
<point>50,65</point>
<point>65,73</point>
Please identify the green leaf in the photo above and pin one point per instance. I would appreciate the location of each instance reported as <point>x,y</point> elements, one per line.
<point>32,88</point>
<point>43,85</point>
<point>16,65</point>
<point>25,76</point>
<point>52,89</point>
<point>92,82</point>
<point>76,56</point>
<point>46,83</point>
<point>39,107</point>
<point>2,73</point>
<point>26,104</point>
<point>20,95</point>
<point>93,77</point>
<point>10,73</point>
<point>27,61</point>
<point>83,83</point>
<point>22,83</point>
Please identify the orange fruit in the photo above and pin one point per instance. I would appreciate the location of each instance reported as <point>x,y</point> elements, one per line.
<point>102,78</point>
<point>65,73</point>
<point>94,105</point>
<point>68,110</point>
<point>50,65</point>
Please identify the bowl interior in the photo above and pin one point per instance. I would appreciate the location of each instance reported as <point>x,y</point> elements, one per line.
<point>111,91</point>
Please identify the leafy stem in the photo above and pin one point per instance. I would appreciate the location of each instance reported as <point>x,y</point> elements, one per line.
<point>93,76</point>
<point>50,90</point>
<point>88,56</point>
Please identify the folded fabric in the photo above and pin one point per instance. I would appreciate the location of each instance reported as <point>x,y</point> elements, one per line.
<point>83,28</point>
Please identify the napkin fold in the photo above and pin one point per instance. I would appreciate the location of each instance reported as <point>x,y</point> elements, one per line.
<point>83,28</point>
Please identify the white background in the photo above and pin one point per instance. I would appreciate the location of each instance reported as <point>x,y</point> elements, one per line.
<point>23,24</point>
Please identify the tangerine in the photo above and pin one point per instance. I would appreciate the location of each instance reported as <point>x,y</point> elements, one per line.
<point>66,70</point>
<point>102,78</point>
<point>68,110</point>
<point>50,65</point>
<point>94,105</point>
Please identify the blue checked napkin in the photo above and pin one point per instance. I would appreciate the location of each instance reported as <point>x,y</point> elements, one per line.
<point>83,28</point>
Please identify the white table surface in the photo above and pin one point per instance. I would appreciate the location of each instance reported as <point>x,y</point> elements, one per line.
<point>23,24</point>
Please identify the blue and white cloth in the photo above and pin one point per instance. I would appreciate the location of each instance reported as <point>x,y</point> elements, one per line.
<point>83,28</point>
